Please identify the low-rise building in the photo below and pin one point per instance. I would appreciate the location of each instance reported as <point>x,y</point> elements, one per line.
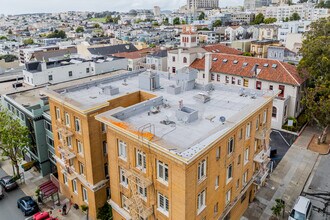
<point>157,61</point>
<point>259,48</point>
<point>283,54</point>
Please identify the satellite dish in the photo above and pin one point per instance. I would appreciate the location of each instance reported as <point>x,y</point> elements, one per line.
<point>222,119</point>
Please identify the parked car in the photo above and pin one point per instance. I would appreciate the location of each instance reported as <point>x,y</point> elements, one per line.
<point>8,182</point>
<point>27,205</point>
<point>1,192</point>
<point>302,209</point>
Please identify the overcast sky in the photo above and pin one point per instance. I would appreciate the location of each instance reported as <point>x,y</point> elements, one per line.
<point>32,6</point>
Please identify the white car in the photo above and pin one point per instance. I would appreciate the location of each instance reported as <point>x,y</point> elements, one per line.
<point>302,209</point>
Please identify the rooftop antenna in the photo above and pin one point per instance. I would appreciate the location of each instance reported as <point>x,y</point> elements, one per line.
<point>222,119</point>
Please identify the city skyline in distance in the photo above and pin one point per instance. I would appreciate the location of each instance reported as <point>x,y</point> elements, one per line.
<point>9,7</point>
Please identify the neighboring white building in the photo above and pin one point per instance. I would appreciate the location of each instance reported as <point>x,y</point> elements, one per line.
<point>201,4</point>
<point>256,73</point>
<point>291,27</point>
<point>306,11</point>
<point>39,73</point>
<point>156,11</point>
<point>157,61</point>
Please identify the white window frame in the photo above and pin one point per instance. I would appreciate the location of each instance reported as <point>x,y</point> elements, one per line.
<point>201,171</point>
<point>77,125</point>
<point>162,204</point>
<point>216,184</point>
<point>104,148</point>
<point>103,127</point>
<point>248,130</point>
<point>122,148</point>
<point>140,160</point>
<point>81,169</point>
<point>246,155</point>
<point>143,193</point>
<point>80,148</point>
<point>217,153</point>
<point>162,172</point>
<point>201,201</point>
<point>231,145</point>
<point>65,179</point>
<point>228,197</point>
<point>58,113</point>
<point>85,194</point>
<point>264,120</point>
<point>245,178</point>
<point>229,177</point>
<point>123,179</point>
<point>67,119</point>
<point>74,186</point>
<point>123,200</point>
<point>69,141</point>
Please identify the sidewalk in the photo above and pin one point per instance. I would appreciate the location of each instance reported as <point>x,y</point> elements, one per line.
<point>32,180</point>
<point>287,181</point>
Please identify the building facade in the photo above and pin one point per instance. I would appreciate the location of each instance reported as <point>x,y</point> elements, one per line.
<point>202,4</point>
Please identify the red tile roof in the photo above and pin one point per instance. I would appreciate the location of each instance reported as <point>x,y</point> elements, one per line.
<point>134,54</point>
<point>276,71</point>
<point>220,48</point>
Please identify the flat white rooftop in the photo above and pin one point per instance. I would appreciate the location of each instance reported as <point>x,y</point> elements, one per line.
<point>180,136</point>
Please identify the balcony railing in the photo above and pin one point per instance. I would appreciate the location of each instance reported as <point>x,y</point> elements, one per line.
<point>262,156</point>
<point>137,206</point>
<point>137,178</point>
<point>66,154</point>
<point>262,134</point>
<point>261,177</point>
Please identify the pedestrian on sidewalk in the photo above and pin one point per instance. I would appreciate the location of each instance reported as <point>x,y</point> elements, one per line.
<point>64,209</point>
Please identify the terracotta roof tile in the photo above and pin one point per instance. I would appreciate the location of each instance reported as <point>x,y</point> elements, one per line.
<point>275,71</point>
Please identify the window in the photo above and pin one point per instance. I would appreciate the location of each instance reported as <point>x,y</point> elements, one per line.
<point>162,171</point>
<point>239,82</point>
<point>103,127</point>
<point>108,192</point>
<point>185,60</point>
<point>87,70</point>
<point>70,73</point>
<point>265,117</point>
<point>85,195</point>
<point>229,173</point>
<point>202,170</point>
<point>227,79</point>
<point>233,80</point>
<point>163,204</point>
<point>237,184</point>
<point>106,170</point>
<point>218,77</point>
<point>228,197</point>
<point>274,112</point>
<point>49,141</point>
<point>173,70</point>
<point>143,192</point>
<point>240,134</point>
<point>248,130</point>
<point>216,182</point>
<point>141,160</point>
<point>246,155</point>
<point>173,59</point>
<point>74,186</point>
<point>212,76</point>
<point>255,145</point>
<point>281,88</point>
<point>59,135</point>
<point>67,119</point>
<point>217,154</point>
<point>50,77</point>
<point>201,201</point>
<point>69,141</point>
<point>122,149</point>
<point>77,124</point>
<point>123,202</point>
<point>58,113</point>
<point>258,85</point>
<point>48,126</point>
<point>123,178</point>
<point>216,207</point>
<point>245,177</point>
<point>239,160</point>
<point>246,83</point>
<point>65,179</point>
<point>80,147</point>
<point>203,75</point>
<point>105,148</point>
<point>271,87</point>
<point>81,169</point>
<point>230,145</point>
<point>257,123</point>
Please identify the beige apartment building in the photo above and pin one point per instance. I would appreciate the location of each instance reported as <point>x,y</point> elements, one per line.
<point>174,149</point>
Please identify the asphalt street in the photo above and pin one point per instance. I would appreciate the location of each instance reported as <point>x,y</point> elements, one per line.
<point>8,205</point>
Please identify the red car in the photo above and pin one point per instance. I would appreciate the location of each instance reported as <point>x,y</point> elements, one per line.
<point>43,216</point>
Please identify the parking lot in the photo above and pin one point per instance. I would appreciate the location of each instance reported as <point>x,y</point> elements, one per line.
<point>8,205</point>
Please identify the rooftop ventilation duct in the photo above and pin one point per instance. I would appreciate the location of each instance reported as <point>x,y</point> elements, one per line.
<point>110,90</point>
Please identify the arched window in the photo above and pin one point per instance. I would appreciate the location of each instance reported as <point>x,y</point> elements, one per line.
<point>184,59</point>
<point>274,112</point>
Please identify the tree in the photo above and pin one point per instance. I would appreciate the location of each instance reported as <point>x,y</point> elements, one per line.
<point>270,20</point>
<point>247,54</point>
<point>28,41</point>
<point>183,22</point>
<point>57,34</point>
<point>8,58</point>
<point>165,21</point>
<point>80,29</point>
<point>278,208</point>
<point>259,19</point>
<point>105,212</point>
<point>201,16</point>
<point>3,38</point>
<point>323,4</point>
<point>97,25</point>
<point>14,138</point>
<point>315,65</point>
<point>10,32</point>
<point>217,23</point>
<point>176,21</point>
<point>295,17</point>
